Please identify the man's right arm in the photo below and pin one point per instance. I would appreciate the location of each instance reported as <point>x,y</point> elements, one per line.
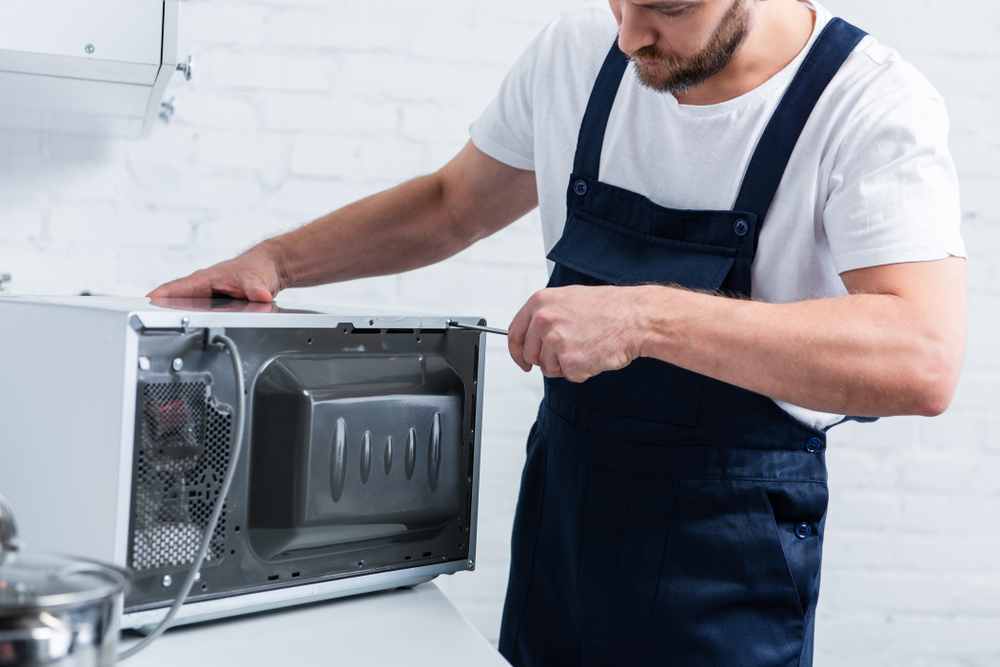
<point>417,223</point>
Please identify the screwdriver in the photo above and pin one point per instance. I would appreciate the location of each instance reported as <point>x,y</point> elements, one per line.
<point>474,327</point>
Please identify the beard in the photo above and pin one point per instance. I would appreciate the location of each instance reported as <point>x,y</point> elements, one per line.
<point>676,75</point>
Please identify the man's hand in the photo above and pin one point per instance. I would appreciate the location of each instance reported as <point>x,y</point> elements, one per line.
<point>252,276</point>
<point>577,332</point>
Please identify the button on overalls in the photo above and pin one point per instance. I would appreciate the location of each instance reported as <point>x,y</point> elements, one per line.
<point>665,517</point>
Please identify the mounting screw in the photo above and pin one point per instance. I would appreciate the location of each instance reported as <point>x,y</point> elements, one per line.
<point>185,322</point>
<point>167,580</point>
<point>177,364</point>
<point>144,363</point>
<point>472,564</point>
<point>167,110</point>
<point>187,68</point>
<point>89,48</point>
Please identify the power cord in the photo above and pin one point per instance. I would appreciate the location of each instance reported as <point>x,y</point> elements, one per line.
<point>238,419</point>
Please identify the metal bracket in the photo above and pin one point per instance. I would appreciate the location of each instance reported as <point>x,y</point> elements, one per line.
<point>210,334</point>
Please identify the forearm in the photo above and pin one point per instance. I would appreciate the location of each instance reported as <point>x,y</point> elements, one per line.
<point>414,224</point>
<point>862,354</point>
<point>893,346</point>
<point>417,223</point>
<point>400,229</point>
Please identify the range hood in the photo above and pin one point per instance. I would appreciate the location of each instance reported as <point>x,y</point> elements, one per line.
<point>96,67</point>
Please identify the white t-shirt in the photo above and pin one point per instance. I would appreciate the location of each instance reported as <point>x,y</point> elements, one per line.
<point>871,181</point>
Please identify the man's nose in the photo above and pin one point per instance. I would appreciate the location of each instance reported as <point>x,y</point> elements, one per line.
<point>635,31</point>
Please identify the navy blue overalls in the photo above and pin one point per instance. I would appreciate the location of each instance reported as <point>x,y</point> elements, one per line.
<point>665,517</point>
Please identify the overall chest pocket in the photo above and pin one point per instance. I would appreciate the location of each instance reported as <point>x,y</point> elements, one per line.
<point>593,251</point>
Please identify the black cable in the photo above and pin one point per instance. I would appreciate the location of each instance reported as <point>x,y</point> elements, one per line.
<point>238,419</point>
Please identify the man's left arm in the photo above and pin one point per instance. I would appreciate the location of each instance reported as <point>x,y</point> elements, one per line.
<point>892,346</point>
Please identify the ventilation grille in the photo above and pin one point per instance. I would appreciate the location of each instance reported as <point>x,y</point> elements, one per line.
<point>181,458</point>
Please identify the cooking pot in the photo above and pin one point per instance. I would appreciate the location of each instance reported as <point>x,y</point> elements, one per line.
<point>55,611</point>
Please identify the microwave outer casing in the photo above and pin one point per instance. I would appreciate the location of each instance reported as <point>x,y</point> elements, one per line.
<point>70,361</point>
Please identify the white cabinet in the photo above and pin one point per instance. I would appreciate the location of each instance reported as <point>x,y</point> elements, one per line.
<point>97,67</point>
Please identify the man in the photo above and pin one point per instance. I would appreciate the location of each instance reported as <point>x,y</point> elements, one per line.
<point>753,222</point>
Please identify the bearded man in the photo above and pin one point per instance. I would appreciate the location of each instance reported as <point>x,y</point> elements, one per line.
<point>752,220</point>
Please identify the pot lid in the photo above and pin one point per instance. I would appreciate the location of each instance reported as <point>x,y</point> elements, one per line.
<point>29,581</point>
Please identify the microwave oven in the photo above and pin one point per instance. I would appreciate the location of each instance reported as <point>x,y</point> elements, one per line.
<point>359,468</point>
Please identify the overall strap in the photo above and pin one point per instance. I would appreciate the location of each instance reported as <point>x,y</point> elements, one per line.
<point>771,156</point>
<point>595,119</point>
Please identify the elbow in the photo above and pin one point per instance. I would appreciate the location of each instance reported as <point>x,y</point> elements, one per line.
<point>933,401</point>
<point>934,386</point>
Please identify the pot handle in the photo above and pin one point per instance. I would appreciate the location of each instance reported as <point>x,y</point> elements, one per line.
<point>8,531</point>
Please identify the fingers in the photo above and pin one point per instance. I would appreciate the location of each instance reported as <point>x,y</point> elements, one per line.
<point>515,336</point>
<point>571,332</point>
<point>258,293</point>
<point>531,340</point>
<point>549,361</point>
<point>245,277</point>
<point>183,287</point>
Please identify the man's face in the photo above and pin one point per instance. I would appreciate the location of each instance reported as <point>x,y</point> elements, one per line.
<point>678,44</point>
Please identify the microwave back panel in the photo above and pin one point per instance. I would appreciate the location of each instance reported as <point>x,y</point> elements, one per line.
<point>360,460</point>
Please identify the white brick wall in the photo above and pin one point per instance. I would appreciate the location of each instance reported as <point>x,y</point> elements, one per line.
<point>300,106</point>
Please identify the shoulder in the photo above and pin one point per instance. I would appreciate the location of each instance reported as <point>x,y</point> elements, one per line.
<point>877,107</point>
<point>576,41</point>
<point>876,78</point>
<point>592,24</point>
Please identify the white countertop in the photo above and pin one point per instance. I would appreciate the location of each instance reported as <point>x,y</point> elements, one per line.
<point>415,627</point>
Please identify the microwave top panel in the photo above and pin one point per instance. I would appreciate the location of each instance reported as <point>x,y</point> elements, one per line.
<point>145,313</point>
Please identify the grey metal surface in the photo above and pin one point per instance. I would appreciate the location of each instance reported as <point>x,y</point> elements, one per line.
<point>367,402</point>
<point>477,449</point>
<point>287,521</point>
